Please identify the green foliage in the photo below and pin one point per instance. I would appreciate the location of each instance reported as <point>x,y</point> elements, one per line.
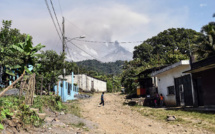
<point>167,47</point>
<point>9,59</point>
<point>28,53</point>
<point>53,102</point>
<point>206,45</point>
<point>1,126</point>
<point>10,104</point>
<point>109,86</point>
<point>73,108</point>
<point>50,66</point>
<point>94,67</point>
<point>5,113</point>
<point>29,117</point>
<point>108,72</point>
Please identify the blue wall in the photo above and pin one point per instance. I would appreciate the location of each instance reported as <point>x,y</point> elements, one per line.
<point>67,91</point>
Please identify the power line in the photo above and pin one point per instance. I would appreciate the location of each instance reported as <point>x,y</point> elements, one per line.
<point>67,48</point>
<point>60,7</point>
<point>52,19</point>
<point>123,42</point>
<point>78,28</point>
<point>82,50</point>
<point>72,54</point>
<point>55,15</point>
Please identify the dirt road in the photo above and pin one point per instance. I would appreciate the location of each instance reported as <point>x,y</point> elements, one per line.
<point>116,118</point>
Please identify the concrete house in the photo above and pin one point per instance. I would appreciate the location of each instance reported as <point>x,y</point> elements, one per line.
<point>87,83</point>
<point>174,85</point>
<point>203,73</point>
<point>66,88</point>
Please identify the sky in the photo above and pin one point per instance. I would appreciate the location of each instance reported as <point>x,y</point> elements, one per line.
<point>105,20</point>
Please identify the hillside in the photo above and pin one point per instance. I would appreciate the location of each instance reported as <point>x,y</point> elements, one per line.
<point>106,68</point>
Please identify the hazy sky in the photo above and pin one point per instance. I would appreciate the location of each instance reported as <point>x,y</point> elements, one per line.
<point>110,20</point>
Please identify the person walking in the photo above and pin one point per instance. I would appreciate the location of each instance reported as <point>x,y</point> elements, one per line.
<point>155,99</point>
<point>161,100</point>
<point>102,99</point>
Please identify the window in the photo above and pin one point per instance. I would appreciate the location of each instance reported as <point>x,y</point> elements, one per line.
<point>69,89</point>
<point>171,90</point>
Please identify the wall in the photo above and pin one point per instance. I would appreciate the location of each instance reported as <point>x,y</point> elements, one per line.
<point>166,79</point>
<point>66,89</point>
<point>86,83</point>
<point>207,87</point>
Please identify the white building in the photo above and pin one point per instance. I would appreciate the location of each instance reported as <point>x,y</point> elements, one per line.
<point>87,83</point>
<point>174,85</point>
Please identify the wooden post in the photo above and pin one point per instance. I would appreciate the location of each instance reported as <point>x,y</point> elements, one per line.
<point>58,87</point>
<point>11,85</point>
<point>21,87</point>
<point>41,88</point>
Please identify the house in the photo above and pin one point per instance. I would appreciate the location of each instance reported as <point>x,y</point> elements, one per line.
<point>148,84</point>
<point>203,73</point>
<point>174,85</point>
<point>66,88</point>
<point>88,84</point>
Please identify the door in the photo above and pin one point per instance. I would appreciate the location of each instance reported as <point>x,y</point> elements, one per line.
<point>183,90</point>
<point>200,92</point>
<point>92,85</point>
<point>181,94</point>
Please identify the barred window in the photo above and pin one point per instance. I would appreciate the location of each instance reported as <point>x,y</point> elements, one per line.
<point>171,90</point>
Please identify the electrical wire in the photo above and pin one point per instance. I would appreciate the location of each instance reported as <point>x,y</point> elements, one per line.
<point>60,8</point>
<point>109,41</point>
<point>122,42</point>
<point>67,48</point>
<point>52,18</point>
<point>73,55</point>
<point>55,16</point>
<point>82,50</point>
<point>82,31</point>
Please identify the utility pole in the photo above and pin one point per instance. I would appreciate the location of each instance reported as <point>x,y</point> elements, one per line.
<point>63,43</point>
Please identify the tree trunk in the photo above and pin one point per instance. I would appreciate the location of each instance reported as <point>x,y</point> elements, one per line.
<point>41,88</point>
<point>49,88</point>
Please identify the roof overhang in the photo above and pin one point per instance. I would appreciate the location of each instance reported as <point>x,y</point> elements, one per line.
<point>200,69</point>
<point>180,63</point>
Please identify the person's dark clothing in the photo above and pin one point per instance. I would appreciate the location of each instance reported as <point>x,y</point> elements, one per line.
<point>102,100</point>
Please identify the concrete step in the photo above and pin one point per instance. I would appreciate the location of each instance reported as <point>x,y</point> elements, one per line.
<point>41,115</point>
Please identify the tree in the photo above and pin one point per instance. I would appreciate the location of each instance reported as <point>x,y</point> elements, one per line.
<point>51,67</point>
<point>28,53</point>
<point>109,86</point>
<point>206,46</point>
<point>8,59</point>
<point>167,47</point>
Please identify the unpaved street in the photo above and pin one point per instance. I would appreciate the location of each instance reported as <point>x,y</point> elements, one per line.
<point>116,118</point>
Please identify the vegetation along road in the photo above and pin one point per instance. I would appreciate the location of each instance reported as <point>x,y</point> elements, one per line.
<point>116,118</point>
